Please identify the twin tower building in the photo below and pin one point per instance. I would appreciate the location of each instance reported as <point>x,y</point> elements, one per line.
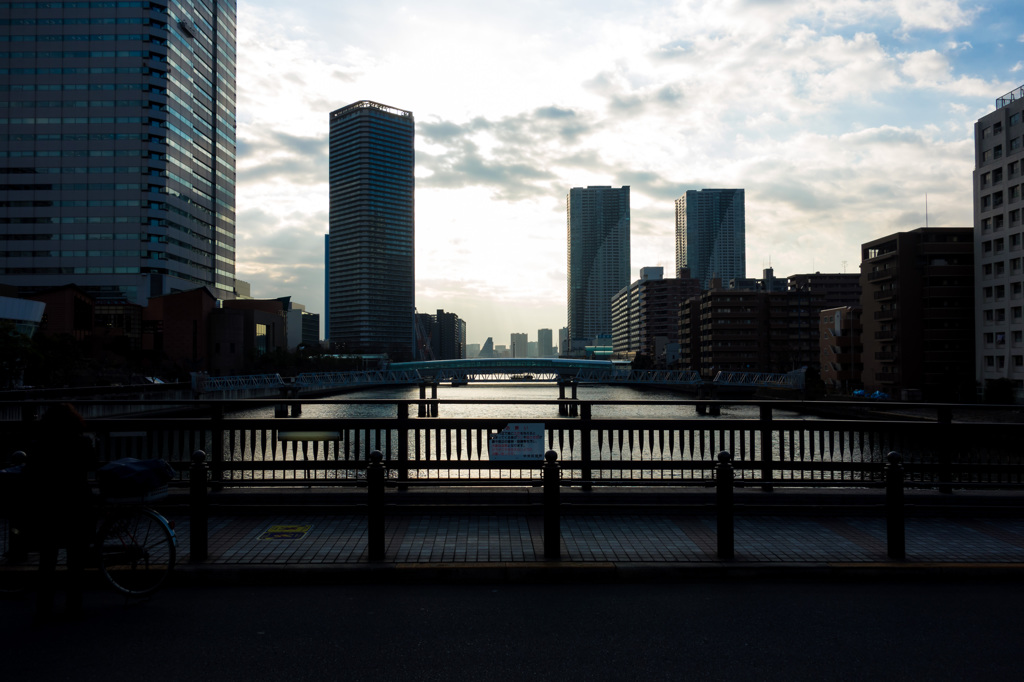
<point>370,249</point>
<point>710,242</point>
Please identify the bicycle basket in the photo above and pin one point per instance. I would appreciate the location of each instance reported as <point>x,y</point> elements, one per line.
<point>134,478</point>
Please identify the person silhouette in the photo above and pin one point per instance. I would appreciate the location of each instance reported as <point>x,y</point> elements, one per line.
<point>61,511</point>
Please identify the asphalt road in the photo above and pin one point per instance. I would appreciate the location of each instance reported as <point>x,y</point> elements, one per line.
<point>718,631</point>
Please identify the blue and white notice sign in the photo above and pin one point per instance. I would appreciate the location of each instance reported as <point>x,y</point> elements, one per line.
<point>517,442</point>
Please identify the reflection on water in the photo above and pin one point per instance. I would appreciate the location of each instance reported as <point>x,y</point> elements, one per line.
<point>524,391</point>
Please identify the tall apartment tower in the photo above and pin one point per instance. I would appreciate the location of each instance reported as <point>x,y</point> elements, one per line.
<point>597,221</point>
<point>711,234</point>
<point>917,291</point>
<point>998,270</point>
<point>371,273</point>
<point>118,147</point>
<point>545,345</point>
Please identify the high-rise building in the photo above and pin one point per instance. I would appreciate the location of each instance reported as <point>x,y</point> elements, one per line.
<point>998,230</point>
<point>918,314</point>
<point>597,221</point>
<point>519,345</point>
<point>118,147</point>
<point>545,347</point>
<point>711,234</point>
<point>371,303</point>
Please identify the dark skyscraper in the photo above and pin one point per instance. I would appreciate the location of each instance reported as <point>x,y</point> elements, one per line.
<point>117,149</point>
<point>711,234</point>
<point>372,277</point>
<point>598,258</point>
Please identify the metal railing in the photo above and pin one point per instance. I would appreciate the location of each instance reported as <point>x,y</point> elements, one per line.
<point>774,447</point>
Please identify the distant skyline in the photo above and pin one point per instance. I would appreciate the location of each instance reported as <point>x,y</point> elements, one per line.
<point>836,116</point>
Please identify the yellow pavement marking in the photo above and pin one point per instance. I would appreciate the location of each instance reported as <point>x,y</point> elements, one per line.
<point>284,532</point>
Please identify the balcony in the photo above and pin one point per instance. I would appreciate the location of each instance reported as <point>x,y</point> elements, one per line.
<point>881,274</point>
<point>884,314</point>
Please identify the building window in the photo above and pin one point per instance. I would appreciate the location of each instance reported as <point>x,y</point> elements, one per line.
<point>986,202</point>
<point>997,199</point>
<point>986,269</point>
<point>1000,269</point>
<point>986,156</point>
<point>1000,292</point>
<point>1001,362</point>
<point>1015,217</point>
<point>997,176</point>
<point>1015,288</point>
<point>1018,336</point>
<point>1014,193</point>
<point>1000,314</point>
<point>986,179</point>
<point>997,222</point>
<point>988,337</point>
<point>988,316</point>
<point>1014,169</point>
<point>986,224</point>
<point>987,292</point>
<point>997,151</point>
<point>1018,360</point>
<point>986,133</point>
<point>999,244</point>
<point>990,361</point>
<point>997,128</point>
<point>1015,240</point>
<point>986,246</point>
<point>1015,143</point>
<point>1015,119</point>
<point>1015,265</point>
<point>1016,312</point>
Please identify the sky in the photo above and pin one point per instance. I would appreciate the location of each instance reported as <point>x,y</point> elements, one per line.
<point>837,117</point>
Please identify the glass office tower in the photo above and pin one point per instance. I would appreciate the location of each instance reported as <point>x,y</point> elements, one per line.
<point>117,150</point>
<point>597,225</point>
<point>371,270</point>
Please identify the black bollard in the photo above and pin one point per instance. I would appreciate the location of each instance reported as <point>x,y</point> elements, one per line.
<point>724,502</point>
<point>895,511</point>
<point>552,509</point>
<point>375,507</point>
<point>199,508</point>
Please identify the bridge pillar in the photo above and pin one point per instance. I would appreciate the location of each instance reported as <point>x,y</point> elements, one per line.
<point>567,407</point>
<point>428,408</point>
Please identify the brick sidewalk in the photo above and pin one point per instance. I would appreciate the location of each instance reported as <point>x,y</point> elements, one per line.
<point>431,539</point>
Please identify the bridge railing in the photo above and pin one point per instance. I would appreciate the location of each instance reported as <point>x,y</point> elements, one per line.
<point>770,449</point>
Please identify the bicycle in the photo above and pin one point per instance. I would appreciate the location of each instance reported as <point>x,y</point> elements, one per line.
<point>135,546</point>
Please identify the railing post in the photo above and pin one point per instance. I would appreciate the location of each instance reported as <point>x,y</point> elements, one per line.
<point>895,510</point>
<point>217,433</point>
<point>403,443</point>
<point>552,508</point>
<point>585,454</point>
<point>199,508</point>
<point>16,549</point>
<point>945,444</point>
<point>767,451</point>
<point>375,507</point>
<point>724,478</point>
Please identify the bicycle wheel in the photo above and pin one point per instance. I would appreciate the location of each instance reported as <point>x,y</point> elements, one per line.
<point>136,551</point>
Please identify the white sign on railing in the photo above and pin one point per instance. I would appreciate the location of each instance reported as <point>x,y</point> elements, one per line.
<point>517,442</point>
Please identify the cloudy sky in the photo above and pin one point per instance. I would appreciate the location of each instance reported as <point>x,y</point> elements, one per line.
<point>836,116</point>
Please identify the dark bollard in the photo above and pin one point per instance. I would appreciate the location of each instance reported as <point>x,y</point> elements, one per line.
<point>552,508</point>
<point>724,502</point>
<point>16,549</point>
<point>199,510</point>
<point>895,511</point>
<point>375,507</point>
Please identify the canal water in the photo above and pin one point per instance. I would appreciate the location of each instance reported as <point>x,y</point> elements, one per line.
<point>650,409</point>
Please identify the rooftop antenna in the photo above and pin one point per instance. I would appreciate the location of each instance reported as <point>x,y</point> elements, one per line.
<point>926,209</point>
